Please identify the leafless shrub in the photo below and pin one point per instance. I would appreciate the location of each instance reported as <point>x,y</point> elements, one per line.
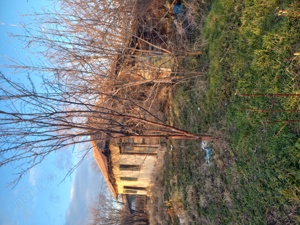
<point>189,21</point>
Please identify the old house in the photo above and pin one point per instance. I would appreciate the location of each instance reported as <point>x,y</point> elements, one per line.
<point>128,146</point>
<point>128,150</point>
<point>130,163</point>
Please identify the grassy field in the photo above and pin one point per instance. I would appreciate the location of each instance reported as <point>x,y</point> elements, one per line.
<point>251,54</point>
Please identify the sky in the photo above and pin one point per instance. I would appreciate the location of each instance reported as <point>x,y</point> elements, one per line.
<point>42,197</point>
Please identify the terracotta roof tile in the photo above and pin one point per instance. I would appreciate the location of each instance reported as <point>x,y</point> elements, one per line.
<point>102,164</point>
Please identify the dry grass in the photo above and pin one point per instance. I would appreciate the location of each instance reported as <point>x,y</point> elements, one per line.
<point>157,205</point>
<point>254,180</point>
<point>172,202</point>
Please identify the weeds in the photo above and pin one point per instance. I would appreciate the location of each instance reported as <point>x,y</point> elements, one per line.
<point>248,47</point>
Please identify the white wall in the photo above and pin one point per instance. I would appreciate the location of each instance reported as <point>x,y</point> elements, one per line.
<point>147,165</point>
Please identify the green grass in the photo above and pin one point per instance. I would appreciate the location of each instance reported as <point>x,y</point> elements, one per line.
<point>254,177</point>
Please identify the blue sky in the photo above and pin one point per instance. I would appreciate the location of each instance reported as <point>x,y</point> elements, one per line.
<point>41,197</point>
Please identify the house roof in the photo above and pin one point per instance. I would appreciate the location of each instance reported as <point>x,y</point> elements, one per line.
<point>101,160</point>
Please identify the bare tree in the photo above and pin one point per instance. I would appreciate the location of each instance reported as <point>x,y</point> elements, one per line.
<point>37,123</point>
<point>108,211</point>
<point>90,89</point>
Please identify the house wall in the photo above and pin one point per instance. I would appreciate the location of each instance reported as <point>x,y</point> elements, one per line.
<point>133,171</point>
<point>147,67</point>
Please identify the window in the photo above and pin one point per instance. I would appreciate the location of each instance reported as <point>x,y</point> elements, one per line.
<point>139,148</point>
<point>142,146</point>
<point>130,192</point>
<point>129,178</point>
<point>135,188</point>
<point>129,167</point>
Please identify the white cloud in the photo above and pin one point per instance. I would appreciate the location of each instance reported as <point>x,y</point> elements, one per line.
<point>86,184</point>
<point>63,159</point>
<point>6,218</point>
<point>33,176</point>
